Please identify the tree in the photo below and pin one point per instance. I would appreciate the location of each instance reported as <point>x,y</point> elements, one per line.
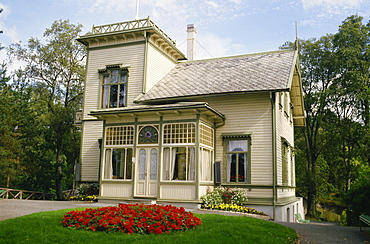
<point>56,70</point>
<point>335,77</point>
<point>14,113</point>
<point>316,57</point>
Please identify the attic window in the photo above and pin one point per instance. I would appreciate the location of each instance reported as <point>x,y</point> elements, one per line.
<point>114,86</point>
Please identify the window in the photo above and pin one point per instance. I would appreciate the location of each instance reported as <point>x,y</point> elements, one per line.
<point>179,133</point>
<point>286,163</point>
<point>206,164</point>
<point>286,104</point>
<point>237,150</point>
<point>292,166</point>
<point>118,158</point>
<point>119,135</point>
<point>118,164</point>
<point>179,163</point>
<point>148,135</point>
<point>206,135</point>
<point>114,84</point>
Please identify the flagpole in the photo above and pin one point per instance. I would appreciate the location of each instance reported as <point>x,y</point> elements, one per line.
<point>137,10</point>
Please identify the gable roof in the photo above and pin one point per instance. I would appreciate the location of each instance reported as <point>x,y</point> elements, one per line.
<point>270,71</point>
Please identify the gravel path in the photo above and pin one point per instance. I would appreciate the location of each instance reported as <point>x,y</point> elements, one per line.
<point>313,233</point>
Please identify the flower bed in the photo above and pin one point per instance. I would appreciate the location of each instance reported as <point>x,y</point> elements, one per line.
<point>233,208</point>
<point>91,198</point>
<point>132,218</point>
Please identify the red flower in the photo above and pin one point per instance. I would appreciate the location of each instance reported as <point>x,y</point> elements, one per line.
<point>132,218</point>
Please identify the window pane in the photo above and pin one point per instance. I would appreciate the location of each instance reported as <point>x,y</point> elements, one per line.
<point>239,145</point>
<point>106,79</point>
<point>129,164</point>
<point>242,167</point>
<point>114,76</point>
<point>237,167</point>
<point>206,165</point>
<point>142,164</point>
<point>118,163</point>
<point>153,164</point>
<point>231,161</point>
<point>105,100</point>
<point>113,96</point>
<point>179,163</point>
<point>122,95</point>
<point>108,165</point>
<point>123,78</point>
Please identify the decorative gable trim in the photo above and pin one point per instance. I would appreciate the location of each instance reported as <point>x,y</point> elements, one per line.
<point>113,66</point>
<point>236,136</point>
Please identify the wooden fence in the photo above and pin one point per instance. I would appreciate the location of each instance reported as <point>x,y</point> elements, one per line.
<point>6,193</point>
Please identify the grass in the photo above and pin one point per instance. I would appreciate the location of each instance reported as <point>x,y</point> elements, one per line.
<point>45,228</point>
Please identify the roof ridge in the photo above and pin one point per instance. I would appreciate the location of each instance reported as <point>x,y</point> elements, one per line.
<point>237,56</point>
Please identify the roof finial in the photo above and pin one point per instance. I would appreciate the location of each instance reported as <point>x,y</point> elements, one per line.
<point>296,37</point>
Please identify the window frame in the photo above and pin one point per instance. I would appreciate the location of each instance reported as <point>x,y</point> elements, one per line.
<point>105,103</point>
<point>118,138</point>
<point>123,166</point>
<point>236,137</point>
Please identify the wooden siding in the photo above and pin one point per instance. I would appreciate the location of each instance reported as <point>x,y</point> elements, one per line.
<point>131,56</point>
<point>90,151</point>
<point>116,190</point>
<point>158,65</point>
<point>282,193</point>
<point>259,193</point>
<point>249,114</point>
<point>284,129</point>
<point>178,192</point>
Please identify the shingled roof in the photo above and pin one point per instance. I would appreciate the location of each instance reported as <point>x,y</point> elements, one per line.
<point>249,73</point>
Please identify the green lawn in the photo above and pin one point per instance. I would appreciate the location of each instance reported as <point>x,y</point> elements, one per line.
<point>45,228</point>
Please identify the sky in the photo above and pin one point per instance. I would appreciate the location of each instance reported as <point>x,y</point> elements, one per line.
<point>224,27</point>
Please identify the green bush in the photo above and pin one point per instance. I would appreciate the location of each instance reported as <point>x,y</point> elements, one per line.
<point>224,195</point>
<point>357,198</point>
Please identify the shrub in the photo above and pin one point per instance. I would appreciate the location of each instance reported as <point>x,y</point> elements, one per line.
<point>132,218</point>
<point>87,189</point>
<point>86,192</point>
<point>224,195</point>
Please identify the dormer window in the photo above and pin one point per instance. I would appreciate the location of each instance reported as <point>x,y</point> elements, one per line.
<point>114,86</point>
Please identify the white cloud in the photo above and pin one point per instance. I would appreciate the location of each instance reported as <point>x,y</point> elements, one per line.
<point>212,4</point>
<point>9,31</point>
<point>308,4</point>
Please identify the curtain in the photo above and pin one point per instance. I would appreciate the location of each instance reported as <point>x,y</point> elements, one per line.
<point>191,164</point>
<point>240,145</point>
<point>108,164</point>
<point>105,97</point>
<point>206,165</point>
<point>169,158</point>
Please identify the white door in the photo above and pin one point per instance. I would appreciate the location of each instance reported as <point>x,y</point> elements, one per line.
<point>146,172</point>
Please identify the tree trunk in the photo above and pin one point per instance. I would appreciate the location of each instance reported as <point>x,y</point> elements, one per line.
<point>59,173</point>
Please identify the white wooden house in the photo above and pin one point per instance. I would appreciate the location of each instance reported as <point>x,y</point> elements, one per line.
<point>155,125</point>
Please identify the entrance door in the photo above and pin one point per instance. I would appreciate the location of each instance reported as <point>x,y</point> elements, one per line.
<point>146,173</point>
